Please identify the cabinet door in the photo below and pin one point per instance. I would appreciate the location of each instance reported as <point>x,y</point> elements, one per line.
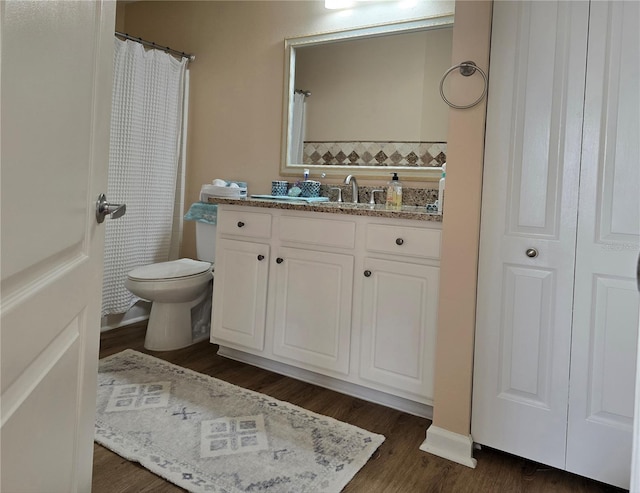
<point>240,293</point>
<point>605,324</point>
<point>527,242</point>
<point>399,316</point>
<point>312,320</point>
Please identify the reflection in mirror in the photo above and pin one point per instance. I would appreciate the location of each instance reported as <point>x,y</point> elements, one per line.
<point>368,98</point>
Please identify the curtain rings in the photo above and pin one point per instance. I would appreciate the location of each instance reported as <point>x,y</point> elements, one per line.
<point>466,69</point>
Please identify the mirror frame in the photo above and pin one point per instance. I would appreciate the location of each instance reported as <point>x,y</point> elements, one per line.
<point>368,172</point>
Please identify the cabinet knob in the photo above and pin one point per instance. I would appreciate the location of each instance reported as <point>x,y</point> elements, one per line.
<point>367,273</point>
<point>279,260</point>
<point>240,224</point>
<point>531,252</point>
<point>399,241</point>
<point>260,257</point>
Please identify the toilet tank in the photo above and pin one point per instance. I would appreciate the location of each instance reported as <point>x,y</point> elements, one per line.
<point>205,241</point>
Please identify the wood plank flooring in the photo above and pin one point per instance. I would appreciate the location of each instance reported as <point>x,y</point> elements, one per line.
<point>398,466</point>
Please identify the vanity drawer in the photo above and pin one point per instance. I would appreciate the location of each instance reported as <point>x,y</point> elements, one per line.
<point>403,240</point>
<point>321,232</point>
<point>241,223</point>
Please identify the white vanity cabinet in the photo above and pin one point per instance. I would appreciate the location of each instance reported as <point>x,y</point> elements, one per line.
<point>344,301</point>
<point>312,318</point>
<point>242,267</point>
<point>399,308</point>
<point>312,292</point>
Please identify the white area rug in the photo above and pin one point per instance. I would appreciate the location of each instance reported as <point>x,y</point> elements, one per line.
<point>206,435</point>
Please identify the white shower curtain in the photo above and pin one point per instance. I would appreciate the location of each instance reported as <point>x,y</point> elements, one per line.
<point>297,128</point>
<point>145,167</point>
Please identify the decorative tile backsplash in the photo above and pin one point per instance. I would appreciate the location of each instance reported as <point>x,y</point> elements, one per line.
<point>418,154</point>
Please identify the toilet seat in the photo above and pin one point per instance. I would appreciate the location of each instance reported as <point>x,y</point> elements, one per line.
<point>174,269</point>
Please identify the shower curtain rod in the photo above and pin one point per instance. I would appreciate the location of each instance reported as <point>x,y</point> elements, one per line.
<point>144,42</point>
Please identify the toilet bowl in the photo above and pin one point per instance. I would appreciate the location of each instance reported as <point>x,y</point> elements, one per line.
<point>174,288</point>
<point>180,290</point>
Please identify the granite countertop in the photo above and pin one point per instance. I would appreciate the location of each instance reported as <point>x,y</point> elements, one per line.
<point>408,211</point>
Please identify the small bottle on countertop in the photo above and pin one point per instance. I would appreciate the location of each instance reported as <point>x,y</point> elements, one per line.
<point>441,189</point>
<point>394,194</point>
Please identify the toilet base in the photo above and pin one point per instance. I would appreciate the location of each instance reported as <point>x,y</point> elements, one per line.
<point>170,325</point>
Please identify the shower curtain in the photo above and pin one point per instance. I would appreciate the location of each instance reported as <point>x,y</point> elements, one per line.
<point>297,128</point>
<point>146,166</point>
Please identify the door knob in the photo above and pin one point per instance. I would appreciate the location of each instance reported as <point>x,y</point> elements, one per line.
<point>399,241</point>
<point>104,208</point>
<point>279,260</point>
<point>367,273</point>
<point>240,224</point>
<point>260,257</point>
<point>531,252</point>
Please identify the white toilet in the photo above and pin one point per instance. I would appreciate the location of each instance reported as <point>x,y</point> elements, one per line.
<point>175,289</point>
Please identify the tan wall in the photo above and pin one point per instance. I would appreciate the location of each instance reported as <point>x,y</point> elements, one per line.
<point>120,12</point>
<point>235,130</point>
<point>373,89</point>
<point>461,226</point>
<point>437,58</point>
<point>237,80</point>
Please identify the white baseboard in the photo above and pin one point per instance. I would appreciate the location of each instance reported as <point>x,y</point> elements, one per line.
<point>449,445</point>
<point>137,313</point>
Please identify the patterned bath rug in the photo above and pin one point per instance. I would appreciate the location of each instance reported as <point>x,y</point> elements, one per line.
<point>207,435</point>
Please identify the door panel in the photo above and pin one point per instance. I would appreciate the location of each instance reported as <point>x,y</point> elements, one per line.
<point>23,437</point>
<point>312,323</point>
<point>57,73</point>
<point>605,327</point>
<point>399,311</point>
<point>531,169</point>
<point>64,94</point>
<point>525,338</point>
<point>612,352</point>
<point>239,307</point>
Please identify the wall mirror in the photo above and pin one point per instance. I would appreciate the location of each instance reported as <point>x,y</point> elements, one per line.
<point>366,101</point>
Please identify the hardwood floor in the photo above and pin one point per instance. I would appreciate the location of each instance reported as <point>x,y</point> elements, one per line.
<point>398,466</point>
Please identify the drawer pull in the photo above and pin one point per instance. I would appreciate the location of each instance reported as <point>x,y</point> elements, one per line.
<point>260,257</point>
<point>240,224</point>
<point>367,273</point>
<point>279,260</point>
<point>399,241</point>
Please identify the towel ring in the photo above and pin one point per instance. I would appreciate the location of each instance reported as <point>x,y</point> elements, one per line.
<point>466,69</point>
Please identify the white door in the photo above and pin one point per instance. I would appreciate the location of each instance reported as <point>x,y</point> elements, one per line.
<point>57,62</point>
<point>312,319</point>
<point>527,244</point>
<point>605,324</point>
<point>240,293</point>
<point>399,316</point>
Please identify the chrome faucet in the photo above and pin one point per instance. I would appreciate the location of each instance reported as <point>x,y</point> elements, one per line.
<point>354,187</point>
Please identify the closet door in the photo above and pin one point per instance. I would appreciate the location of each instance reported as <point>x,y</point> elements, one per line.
<point>527,244</point>
<point>605,326</point>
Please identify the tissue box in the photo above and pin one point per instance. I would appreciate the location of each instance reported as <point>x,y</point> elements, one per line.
<point>238,192</point>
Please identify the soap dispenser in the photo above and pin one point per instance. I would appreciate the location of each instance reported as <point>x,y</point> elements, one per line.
<point>394,194</point>
<point>441,189</point>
